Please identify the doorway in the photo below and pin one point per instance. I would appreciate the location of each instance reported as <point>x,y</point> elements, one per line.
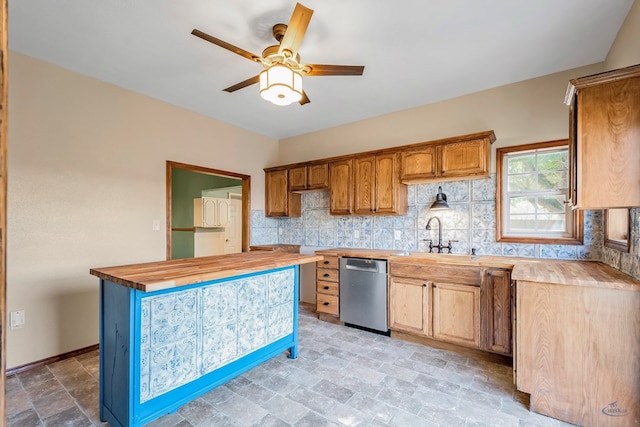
<point>188,182</point>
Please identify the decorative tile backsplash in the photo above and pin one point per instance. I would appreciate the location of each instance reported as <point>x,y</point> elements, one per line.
<point>470,222</point>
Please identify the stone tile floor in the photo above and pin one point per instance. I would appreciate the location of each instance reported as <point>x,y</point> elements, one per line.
<point>343,377</point>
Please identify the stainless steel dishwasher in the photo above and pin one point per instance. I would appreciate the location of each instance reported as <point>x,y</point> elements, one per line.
<point>363,293</point>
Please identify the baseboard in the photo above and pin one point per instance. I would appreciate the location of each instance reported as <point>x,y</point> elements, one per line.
<point>52,359</point>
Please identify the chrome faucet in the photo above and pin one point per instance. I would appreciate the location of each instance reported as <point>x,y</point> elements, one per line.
<point>439,246</point>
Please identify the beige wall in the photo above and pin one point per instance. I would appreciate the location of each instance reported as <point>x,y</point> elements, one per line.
<point>524,112</point>
<point>626,48</point>
<point>86,180</point>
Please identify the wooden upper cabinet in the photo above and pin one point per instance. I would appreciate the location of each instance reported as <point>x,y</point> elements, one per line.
<point>279,201</point>
<point>318,177</point>
<point>340,187</point>
<point>495,310</point>
<point>464,159</point>
<point>467,156</point>
<point>376,186</point>
<point>298,178</point>
<point>418,164</point>
<point>605,139</point>
<point>311,177</point>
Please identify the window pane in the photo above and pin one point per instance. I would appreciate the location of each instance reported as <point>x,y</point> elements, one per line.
<point>558,160</point>
<point>551,204</point>
<point>553,180</point>
<point>523,223</point>
<point>522,164</point>
<point>551,222</point>
<point>520,205</point>
<point>522,183</point>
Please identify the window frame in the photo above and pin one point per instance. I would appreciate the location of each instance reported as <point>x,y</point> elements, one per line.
<point>576,237</point>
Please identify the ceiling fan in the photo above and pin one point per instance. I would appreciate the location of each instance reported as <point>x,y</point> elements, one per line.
<point>281,79</point>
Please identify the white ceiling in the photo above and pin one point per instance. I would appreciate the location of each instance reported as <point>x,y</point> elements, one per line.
<point>415,52</point>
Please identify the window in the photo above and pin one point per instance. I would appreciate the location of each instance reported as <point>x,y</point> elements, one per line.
<point>532,187</point>
<point>617,229</point>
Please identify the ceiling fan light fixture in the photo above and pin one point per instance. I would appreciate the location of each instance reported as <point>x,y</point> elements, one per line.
<point>280,85</point>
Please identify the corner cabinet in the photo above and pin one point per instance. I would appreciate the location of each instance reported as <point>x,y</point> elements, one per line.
<point>376,186</point>
<point>604,139</point>
<point>454,158</point>
<point>279,201</point>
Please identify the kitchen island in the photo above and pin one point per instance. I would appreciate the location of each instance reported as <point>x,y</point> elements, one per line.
<point>173,330</point>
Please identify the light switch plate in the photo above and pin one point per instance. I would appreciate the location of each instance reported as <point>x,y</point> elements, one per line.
<point>17,319</point>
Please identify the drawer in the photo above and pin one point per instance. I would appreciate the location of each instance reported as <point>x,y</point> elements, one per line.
<point>464,275</point>
<point>329,304</point>
<point>328,262</point>
<point>330,288</point>
<point>327,275</point>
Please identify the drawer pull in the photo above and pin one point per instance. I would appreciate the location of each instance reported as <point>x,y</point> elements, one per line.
<point>326,275</point>
<point>326,303</point>
<point>326,288</point>
<point>326,261</point>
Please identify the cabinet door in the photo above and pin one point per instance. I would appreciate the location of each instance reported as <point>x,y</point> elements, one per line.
<point>222,212</point>
<point>390,194</point>
<point>608,153</point>
<point>456,314</point>
<point>418,164</point>
<point>278,200</point>
<point>364,191</point>
<point>340,190</point>
<point>464,158</point>
<point>409,305</point>
<point>318,177</point>
<point>495,300</point>
<point>298,178</point>
<point>209,214</point>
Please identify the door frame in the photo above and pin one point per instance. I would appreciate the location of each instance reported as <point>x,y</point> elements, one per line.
<point>246,199</point>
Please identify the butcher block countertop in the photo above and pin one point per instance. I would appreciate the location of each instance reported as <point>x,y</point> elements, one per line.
<point>154,276</point>
<point>577,273</point>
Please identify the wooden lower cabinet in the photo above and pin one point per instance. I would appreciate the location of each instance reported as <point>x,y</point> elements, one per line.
<point>439,301</point>
<point>456,314</point>
<point>327,286</point>
<point>409,305</point>
<point>578,352</point>
<point>495,310</point>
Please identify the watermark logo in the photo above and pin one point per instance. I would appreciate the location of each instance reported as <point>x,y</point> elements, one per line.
<point>613,410</point>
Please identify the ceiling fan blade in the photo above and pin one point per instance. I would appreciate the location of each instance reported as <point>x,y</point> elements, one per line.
<point>295,30</point>
<point>335,70</point>
<point>250,81</point>
<point>225,45</point>
<point>304,99</point>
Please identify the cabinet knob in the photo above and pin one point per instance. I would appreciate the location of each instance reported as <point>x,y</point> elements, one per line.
<point>326,303</point>
<point>488,273</point>
<point>326,261</point>
<point>326,275</point>
<point>424,285</point>
<point>435,286</point>
<point>326,288</point>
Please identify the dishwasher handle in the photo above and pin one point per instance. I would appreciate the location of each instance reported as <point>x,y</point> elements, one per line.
<point>362,264</point>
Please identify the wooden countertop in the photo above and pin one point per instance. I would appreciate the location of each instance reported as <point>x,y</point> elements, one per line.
<point>154,276</point>
<point>577,273</point>
<point>282,247</point>
<point>406,257</point>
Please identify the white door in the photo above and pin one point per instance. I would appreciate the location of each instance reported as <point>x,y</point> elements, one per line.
<point>233,230</point>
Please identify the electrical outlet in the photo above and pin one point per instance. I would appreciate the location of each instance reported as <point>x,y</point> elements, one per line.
<point>356,234</point>
<point>156,225</point>
<point>17,319</point>
<point>397,234</point>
